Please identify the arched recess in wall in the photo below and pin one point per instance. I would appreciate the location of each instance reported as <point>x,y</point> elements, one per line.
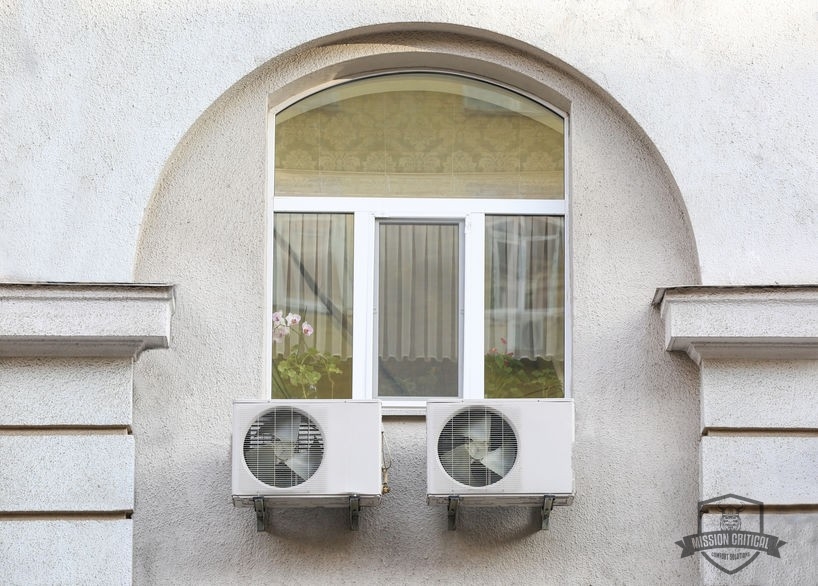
<point>204,230</point>
<point>592,170</point>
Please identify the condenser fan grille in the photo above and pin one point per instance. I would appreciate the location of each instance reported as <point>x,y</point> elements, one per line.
<point>477,447</point>
<point>283,447</point>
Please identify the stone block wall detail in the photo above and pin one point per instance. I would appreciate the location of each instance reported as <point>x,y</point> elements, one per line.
<point>757,352</point>
<point>66,447</point>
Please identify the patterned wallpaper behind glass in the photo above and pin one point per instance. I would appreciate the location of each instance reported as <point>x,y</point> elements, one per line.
<point>418,143</point>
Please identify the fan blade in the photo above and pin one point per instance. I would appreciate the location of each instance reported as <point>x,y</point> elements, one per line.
<point>478,428</point>
<point>456,462</point>
<point>262,462</point>
<point>303,464</point>
<point>264,454</point>
<point>449,441</point>
<point>500,460</point>
<point>479,475</point>
<point>286,426</point>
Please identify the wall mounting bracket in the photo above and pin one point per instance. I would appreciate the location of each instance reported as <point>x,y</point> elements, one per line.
<point>354,511</point>
<point>544,503</point>
<point>264,505</point>
<point>547,506</point>
<point>261,513</point>
<point>454,504</point>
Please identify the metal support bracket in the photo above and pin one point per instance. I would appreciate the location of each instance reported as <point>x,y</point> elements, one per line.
<point>354,511</point>
<point>547,506</point>
<point>454,504</point>
<point>261,513</point>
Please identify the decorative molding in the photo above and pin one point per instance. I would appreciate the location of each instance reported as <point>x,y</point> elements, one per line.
<point>748,322</point>
<point>84,319</point>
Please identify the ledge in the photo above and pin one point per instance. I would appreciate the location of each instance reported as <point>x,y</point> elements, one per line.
<point>755,322</point>
<point>83,319</point>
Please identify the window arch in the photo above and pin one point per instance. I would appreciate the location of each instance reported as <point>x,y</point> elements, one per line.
<point>418,241</point>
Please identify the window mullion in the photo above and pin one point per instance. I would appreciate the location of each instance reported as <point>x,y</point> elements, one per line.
<point>363,326</point>
<point>473,306</point>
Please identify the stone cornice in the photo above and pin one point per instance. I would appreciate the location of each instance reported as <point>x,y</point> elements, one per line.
<point>749,322</point>
<point>84,319</point>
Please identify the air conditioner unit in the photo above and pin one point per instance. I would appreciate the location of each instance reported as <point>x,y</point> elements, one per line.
<point>500,452</point>
<point>306,453</point>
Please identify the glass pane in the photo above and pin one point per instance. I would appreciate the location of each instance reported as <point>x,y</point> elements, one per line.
<point>419,135</point>
<point>312,300</point>
<point>418,302</point>
<point>525,312</point>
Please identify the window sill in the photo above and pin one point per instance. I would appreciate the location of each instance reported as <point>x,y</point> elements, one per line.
<point>403,408</point>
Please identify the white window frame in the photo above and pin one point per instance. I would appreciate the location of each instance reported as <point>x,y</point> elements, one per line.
<point>367,211</point>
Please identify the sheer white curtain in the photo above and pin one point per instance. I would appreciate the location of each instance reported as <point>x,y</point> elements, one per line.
<point>418,291</point>
<point>525,273</point>
<point>418,285</point>
<point>312,277</point>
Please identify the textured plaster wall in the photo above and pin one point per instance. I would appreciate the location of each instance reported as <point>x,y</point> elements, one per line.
<point>636,456</point>
<point>94,97</point>
<point>798,563</point>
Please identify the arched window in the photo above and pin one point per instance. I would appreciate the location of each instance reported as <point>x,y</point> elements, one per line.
<point>418,242</point>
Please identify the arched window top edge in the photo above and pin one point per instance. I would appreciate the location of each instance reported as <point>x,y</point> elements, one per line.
<point>479,90</point>
<point>517,82</point>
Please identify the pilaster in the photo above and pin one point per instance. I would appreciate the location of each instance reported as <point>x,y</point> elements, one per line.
<point>757,351</point>
<point>66,448</point>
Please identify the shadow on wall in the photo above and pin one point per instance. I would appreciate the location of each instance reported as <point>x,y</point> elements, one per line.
<point>330,526</point>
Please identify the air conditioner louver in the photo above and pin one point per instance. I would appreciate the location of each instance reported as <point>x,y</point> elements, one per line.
<point>500,450</point>
<point>477,447</point>
<point>283,447</point>
<point>306,451</point>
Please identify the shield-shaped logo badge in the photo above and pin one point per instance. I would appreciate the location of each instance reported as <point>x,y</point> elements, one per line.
<point>731,533</point>
<point>730,513</point>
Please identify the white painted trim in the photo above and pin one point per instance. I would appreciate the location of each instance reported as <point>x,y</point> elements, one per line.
<point>364,333</point>
<point>568,305</point>
<point>461,306</point>
<point>460,223</point>
<point>269,244</point>
<point>474,307</point>
<point>420,207</point>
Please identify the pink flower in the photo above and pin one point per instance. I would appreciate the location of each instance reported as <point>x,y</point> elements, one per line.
<point>292,319</point>
<point>306,329</point>
<point>278,317</point>
<point>279,334</point>
<point>503,340</point>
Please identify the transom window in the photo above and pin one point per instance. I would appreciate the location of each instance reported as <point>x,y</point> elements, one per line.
<point>418,242</point>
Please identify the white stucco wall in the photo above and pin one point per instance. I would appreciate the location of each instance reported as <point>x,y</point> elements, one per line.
<point>131,147</point>
<point>95,97</point>
<point>637,429</point>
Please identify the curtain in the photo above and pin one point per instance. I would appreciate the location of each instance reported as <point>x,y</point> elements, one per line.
<point>312,277</point>
<point>418,291</point>
<point>418,303</point>
<point>524,289</point>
